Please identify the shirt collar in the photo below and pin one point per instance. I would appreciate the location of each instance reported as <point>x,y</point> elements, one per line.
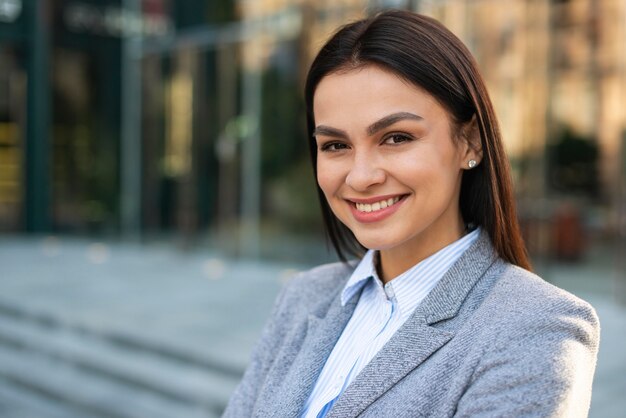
<point>365,270</point>
<point>414,284</point>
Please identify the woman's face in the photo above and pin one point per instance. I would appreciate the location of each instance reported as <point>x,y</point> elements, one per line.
<point>387,161</point>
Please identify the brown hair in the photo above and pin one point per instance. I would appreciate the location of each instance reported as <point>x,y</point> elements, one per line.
<point>422,51</point>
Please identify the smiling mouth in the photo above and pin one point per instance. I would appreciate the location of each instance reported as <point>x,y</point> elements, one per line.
<point>376,206</point>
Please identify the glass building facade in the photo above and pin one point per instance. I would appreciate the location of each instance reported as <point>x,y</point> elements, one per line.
<point>152,117</point>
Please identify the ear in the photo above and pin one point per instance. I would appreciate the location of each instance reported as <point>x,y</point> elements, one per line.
<point>471,145</point>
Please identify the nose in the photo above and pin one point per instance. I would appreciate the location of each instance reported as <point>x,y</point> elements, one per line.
<point>365,172</point>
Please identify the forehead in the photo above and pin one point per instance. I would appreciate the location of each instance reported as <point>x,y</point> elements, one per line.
<point>370,92</point>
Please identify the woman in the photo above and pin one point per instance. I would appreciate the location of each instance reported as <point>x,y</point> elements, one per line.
<point>440,317</point>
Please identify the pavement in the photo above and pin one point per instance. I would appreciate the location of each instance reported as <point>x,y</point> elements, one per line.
<point>113,329</point>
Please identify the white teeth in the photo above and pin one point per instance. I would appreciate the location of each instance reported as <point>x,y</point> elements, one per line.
<point>366,207</point>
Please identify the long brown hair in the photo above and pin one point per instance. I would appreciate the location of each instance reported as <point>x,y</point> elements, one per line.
<point>422,51</point>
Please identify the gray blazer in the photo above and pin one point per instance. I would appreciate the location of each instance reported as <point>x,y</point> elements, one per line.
<point>490,340</point>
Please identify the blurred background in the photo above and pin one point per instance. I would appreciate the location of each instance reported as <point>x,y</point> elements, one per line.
<point>156,191</point>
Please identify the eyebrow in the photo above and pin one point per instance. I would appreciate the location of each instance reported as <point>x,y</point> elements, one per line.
<point>390,120</point>
<point>372,129</point>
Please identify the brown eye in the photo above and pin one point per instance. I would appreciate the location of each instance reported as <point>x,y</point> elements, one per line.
<point>395,139</point>
<point>333,146</point>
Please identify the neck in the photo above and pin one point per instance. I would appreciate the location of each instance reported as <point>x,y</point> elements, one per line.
<point>395,261</point>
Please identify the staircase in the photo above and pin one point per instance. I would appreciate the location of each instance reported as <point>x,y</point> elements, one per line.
<point>51,368</point>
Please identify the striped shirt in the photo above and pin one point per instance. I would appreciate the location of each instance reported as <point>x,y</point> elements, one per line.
<point>380,311</point>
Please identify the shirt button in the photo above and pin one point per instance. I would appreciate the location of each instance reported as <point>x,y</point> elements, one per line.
<point>389,291</point>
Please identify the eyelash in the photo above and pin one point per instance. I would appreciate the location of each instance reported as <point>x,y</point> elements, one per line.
<point>404,137</point>
<point>329,146</point>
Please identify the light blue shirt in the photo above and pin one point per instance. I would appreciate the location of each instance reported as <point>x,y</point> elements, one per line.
<point>380,311</point>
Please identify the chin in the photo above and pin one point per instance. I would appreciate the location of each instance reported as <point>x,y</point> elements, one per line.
<point>374,243</point>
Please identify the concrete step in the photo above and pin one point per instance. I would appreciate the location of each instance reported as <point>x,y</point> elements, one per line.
<point>99,374</point>
<point>126,337</point>
<point>82,391</point>
<point>19,403</point>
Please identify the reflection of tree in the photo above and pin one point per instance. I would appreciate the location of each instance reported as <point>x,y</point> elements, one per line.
<point>573,165</point>
<point>84,150</point>
<point>289,187</point>
<point>282,132</point>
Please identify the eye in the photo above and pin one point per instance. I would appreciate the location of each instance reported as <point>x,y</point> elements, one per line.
<point>333,146</point>
<point>397,138</point>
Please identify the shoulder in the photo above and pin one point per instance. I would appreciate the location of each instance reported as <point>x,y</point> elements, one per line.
<point>533,348</point>
<point>310,291</point>
<point>527,290</point>
<point>320,282</point>
<point>521,301</point>
<point>306,292</point>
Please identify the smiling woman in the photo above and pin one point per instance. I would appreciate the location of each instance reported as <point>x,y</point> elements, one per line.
<point>440,316</point>
<point>397,144</point>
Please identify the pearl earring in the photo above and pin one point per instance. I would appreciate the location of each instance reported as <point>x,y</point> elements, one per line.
<point>471,163</point>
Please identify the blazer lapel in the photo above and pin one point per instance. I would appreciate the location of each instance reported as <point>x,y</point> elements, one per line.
<point>321,336</point>
<point>417,339</point>
<point>406,350</point>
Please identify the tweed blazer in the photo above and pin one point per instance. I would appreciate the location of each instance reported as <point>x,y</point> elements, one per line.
<point>490,340</point>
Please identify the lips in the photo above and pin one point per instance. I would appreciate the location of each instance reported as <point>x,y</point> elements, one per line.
<point>375,209</point>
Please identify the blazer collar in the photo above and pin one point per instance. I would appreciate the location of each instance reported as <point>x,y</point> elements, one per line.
<point>417,339</point>
<point>445,300</point>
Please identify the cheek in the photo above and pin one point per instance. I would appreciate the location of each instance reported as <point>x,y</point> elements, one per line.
<point>424,171</point>
<point>411,167</point>
<point>327,177</point>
